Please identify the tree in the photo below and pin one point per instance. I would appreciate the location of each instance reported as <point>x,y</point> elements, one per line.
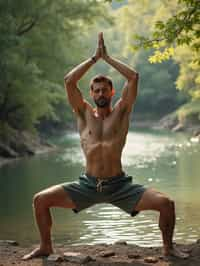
<point>157,92</point>
<point>37,45</point>
<point>178,24</point>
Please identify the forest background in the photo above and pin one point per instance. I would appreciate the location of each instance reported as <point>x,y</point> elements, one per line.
<point>40,41</point>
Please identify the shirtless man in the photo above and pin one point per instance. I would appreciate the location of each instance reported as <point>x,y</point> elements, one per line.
<point>103,132</point>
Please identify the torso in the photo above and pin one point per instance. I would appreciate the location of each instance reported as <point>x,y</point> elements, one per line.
<point>102,141</point>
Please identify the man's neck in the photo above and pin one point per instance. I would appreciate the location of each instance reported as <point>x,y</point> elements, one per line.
<point>102,112</point>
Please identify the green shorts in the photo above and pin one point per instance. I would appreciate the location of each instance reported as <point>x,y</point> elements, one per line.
<point>116,190</point>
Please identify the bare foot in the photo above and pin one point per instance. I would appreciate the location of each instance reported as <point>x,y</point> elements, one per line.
<point>175,252</point>
<point>38,252</point>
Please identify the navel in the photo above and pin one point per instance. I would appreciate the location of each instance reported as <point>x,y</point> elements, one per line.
<point>90,132</point>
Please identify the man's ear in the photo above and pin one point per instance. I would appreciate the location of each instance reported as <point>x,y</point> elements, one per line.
<point>113,91</point>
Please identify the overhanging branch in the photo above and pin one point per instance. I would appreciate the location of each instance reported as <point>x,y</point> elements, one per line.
<point>27,26</point>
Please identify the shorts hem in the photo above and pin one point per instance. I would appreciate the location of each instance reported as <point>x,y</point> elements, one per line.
<point>76,209</point>
<point>133,212</point>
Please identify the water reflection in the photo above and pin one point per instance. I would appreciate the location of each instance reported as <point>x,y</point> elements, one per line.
<point>109,224</point>
<point>170,163</point>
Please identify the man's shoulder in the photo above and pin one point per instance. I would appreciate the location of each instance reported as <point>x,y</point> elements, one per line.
<point>86,108</point>
<point>120,106</point>
<point>83,115</point>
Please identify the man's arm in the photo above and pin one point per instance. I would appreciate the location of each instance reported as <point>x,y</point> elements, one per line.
<point>74,95</point>
<point>129,93</point>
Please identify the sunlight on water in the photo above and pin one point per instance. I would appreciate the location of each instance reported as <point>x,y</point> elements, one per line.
<point>108,224</point>
<point>148,155</point>
<point>139,149</point>
<point>168,162</point>
<point>73,153</point>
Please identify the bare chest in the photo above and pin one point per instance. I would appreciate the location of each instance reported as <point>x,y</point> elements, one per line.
<point>111,129</point>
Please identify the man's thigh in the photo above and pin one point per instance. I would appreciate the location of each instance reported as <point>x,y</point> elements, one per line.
<point>151,200</point>
<point>55,196</point>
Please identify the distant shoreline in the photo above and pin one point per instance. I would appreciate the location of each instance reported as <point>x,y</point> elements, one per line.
<point>38,147</point>
<point>42,146</point>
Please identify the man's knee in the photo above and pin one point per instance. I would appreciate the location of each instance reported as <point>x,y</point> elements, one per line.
<point>40,200</point>
<point>167,204</point>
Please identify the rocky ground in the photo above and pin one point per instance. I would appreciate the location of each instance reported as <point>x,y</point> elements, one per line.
<point>118,254</point>
<point>20,144</point>
<point>171,123</point>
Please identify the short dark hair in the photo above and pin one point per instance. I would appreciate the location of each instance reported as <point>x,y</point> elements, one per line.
<point>101,78</point>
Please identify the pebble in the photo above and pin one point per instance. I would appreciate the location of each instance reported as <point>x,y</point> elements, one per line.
<point>9,242</point>
<point>77,257</point>
<point>134,256</point>
<point>151,259</point>
<point>106,254</point>
<point>55,257</point>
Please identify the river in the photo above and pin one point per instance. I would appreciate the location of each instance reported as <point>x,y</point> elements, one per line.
<point>166,161</point>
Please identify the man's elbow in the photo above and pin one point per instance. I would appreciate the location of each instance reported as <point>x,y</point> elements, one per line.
<point>135,76</point>
<point>68,80</point>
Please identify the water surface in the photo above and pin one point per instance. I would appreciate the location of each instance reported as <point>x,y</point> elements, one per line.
<point>165,161</point>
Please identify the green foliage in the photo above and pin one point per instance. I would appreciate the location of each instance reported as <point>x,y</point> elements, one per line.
<point>169,30</point>
<point>39,41</point>
<point>180,28</point>
<point>157,92</point>
<point>189,74</point>
<point>5,132</point>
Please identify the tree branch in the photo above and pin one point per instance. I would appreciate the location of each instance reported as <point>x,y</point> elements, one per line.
<point>27,27</point>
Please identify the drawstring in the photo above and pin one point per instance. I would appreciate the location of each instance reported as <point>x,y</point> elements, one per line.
<point>99,185</point>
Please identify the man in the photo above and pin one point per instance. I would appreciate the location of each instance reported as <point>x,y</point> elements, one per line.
<point>103,132</point>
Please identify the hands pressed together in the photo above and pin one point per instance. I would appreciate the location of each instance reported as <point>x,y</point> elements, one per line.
<point>101,48</point>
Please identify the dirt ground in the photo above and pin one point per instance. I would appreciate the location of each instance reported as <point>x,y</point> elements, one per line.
<point>119,254</point>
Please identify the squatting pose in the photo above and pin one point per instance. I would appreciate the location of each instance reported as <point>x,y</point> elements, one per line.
<point>103,132</point>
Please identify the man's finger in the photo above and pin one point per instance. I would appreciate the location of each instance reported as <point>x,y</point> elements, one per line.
<point>101,35</point>
<point>100,39</point>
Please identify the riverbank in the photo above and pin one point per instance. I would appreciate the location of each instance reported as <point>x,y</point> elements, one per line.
<point>172,123</point>
<point>118,254</point>
<point>17,144</point>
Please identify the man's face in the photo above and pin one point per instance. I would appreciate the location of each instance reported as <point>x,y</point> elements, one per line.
<point>101,94</point>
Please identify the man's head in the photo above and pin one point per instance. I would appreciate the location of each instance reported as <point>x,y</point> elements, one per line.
<point>101,90</point>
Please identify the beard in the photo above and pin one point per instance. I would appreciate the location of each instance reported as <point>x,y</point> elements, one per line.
<point>102,102</point>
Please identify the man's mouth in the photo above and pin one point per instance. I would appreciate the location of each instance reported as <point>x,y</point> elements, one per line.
<point>102,102</point>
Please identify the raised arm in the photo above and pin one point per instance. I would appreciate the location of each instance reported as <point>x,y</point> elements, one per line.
<point>74,95</point>
<point>129,92</point>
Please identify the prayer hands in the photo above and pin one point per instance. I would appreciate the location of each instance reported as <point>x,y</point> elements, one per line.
<point>97,54</point>
<point>101,48</point>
